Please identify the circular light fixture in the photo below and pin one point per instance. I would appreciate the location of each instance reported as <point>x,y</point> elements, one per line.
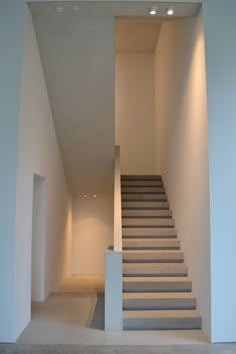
<point>153,11</point>
<point>170,12</point>
<point>76,8</point>
<point>94,196</point>
<point>59,9</point>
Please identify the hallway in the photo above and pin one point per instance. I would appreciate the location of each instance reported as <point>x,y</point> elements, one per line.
<point>74,316</point>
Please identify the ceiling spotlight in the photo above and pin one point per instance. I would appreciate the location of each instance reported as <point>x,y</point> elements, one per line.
<point>85,196</point>
<point>153,11</point>
<point>76,8</point>
<point>59,9</point>
<point>94,196</point>
<point>170,12</point>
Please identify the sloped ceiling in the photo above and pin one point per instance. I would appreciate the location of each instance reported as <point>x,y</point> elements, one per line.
<point>78,54</point>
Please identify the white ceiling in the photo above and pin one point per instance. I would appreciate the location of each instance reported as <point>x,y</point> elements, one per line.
<point>77,52</point>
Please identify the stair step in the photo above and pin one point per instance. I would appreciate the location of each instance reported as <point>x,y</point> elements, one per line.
<point>146,213</point>
<point>149,232</point>
<point>152,205</point>
<point>155,269</point>
<point>147,222</point>
<point>139,243</point>
<point>142,190</point>
<point>141,183</point>
<point>141,178</point>
<point>157,284</point>
<point>163,319</point>
<point>159,301</point>
<point>143,197</point>
<point>153,256</point>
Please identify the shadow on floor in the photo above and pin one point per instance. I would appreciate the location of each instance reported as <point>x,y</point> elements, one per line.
<point>98,314</point>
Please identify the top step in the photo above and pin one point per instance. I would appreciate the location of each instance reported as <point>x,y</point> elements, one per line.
<point>141,178</point>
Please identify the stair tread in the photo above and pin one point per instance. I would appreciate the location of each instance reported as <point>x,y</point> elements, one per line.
<point>142,189</point>
<point>160,313</point>
<point>158,229</point>
<point>146,295</point>
<point>142,204</point>
<point>156,279</point>
<point>152,251</point>
<point>147,239</point>
<point>138,177</point>
<point>145,232</point>
<point>156,265</point>
<point>137,222</point>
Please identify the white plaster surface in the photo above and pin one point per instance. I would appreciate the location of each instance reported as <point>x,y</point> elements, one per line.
<point>182,146</point>
<point>38,153</point>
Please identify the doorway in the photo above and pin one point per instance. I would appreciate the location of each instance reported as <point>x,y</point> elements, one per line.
<point>38,240</point>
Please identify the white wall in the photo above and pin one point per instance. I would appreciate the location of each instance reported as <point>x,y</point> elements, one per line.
<point>134,112</point>
<point>92,233</point>
<point>182,149</point>
<point>11,48</point>
<point>220,32</point>
<point>38,153</point>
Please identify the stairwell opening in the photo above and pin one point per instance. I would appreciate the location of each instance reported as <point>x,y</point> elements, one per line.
<point>161,126</point>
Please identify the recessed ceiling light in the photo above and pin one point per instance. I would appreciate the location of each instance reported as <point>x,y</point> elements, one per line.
<point>76,8</point>
<point>153,11</point>
<point>94,196</point>
<point>170,12</point>
<point>59,9</point>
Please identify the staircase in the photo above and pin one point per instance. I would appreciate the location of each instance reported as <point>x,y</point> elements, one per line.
<point>157,292</point>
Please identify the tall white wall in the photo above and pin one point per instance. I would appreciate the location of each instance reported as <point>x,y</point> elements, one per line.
<point>38,153</point>
<point>92,233</point>
<point>11,48</point>
<point>220,31</point>
<point>182,148</point>
<point>134,112</point>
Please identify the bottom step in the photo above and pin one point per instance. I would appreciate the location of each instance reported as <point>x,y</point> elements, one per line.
<point>161,320</point>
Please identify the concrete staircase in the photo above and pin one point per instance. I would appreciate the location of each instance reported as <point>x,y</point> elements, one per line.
<point>157,292</point>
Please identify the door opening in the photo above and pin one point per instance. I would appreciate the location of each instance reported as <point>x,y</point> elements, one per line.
<point>38,240</point>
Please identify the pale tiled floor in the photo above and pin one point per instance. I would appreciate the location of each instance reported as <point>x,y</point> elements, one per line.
<point>74,315</point>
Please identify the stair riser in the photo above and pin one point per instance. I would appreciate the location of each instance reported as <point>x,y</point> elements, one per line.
<point>141,183</point>
<point>145,222</point>
<point>157,286</point>
<point>143,197</point>
<point>159,304</point>
<point>155,271</point>
<point>141,178</point>
<point>145,205</point>
<point>154,274</point>
<point>146,213</point>
<point>142,190</point>
<point>151,244</point>
<point>161,323</point>
<point>152,257</point>
<point>149,232</point>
